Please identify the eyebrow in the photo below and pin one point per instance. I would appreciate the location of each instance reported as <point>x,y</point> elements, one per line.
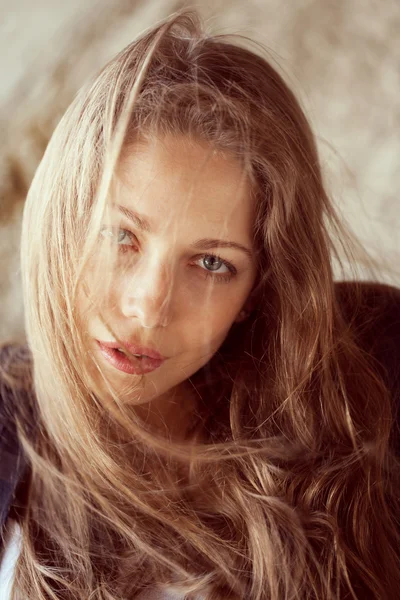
<point>140,221</point>
<point>203,243</point>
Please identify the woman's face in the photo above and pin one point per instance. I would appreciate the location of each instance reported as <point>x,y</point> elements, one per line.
<point>181,219</point>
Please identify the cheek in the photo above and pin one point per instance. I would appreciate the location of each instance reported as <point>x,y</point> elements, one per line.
<point>209,324</point>
<point>217,305</point>
<point>208,318</point>
<point>84,309</point>
<point>93,305</point>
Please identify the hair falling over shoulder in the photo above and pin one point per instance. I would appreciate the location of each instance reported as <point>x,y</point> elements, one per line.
<point>288,494</point>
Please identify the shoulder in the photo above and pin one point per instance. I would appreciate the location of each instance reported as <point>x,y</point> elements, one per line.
<point>357,296</point>
<point>12,395</point>
<point>373,309</point>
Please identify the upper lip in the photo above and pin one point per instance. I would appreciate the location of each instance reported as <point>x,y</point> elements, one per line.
<point>134,349</point>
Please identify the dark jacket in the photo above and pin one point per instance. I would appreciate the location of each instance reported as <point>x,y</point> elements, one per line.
<point>377,326</point>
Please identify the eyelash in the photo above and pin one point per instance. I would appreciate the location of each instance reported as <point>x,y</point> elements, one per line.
<point>217,277</point>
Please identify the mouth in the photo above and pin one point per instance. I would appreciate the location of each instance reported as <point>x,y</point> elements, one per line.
<point>134,363</point>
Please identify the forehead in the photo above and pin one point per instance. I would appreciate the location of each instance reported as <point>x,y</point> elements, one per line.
<point>179,182</point>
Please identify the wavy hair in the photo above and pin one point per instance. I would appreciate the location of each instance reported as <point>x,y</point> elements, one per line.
<point>287,495</point>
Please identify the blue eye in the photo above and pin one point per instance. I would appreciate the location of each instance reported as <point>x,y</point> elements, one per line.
<point>214,263</point>
<point>122,237</point>
<point>212,268</point>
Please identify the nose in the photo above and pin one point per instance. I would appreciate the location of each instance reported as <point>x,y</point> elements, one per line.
<point>147,293</point>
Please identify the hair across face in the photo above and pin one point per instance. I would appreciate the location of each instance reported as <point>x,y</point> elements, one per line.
<point>182,218</point>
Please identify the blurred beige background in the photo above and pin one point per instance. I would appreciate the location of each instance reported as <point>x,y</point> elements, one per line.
<point>342,58</point>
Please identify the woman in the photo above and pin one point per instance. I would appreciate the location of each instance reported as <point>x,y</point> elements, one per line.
<point>198,410</point>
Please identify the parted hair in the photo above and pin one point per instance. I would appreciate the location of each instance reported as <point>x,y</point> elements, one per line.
<point>291,491</point>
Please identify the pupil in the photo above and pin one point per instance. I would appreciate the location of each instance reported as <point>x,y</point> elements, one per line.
<point>212,263</point>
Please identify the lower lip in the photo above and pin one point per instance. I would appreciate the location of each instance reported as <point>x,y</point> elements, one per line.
<point>133,366</point>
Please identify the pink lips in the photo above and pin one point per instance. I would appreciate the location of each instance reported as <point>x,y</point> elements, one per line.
<point>149,361</point>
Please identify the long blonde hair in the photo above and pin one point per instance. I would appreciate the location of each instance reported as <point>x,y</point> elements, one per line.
<point>289,495</point>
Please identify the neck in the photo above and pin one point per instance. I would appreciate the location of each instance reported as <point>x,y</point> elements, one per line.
<point>172,414</point>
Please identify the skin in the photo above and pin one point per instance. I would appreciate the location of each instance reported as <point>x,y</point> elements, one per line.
<point>165,294</point>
